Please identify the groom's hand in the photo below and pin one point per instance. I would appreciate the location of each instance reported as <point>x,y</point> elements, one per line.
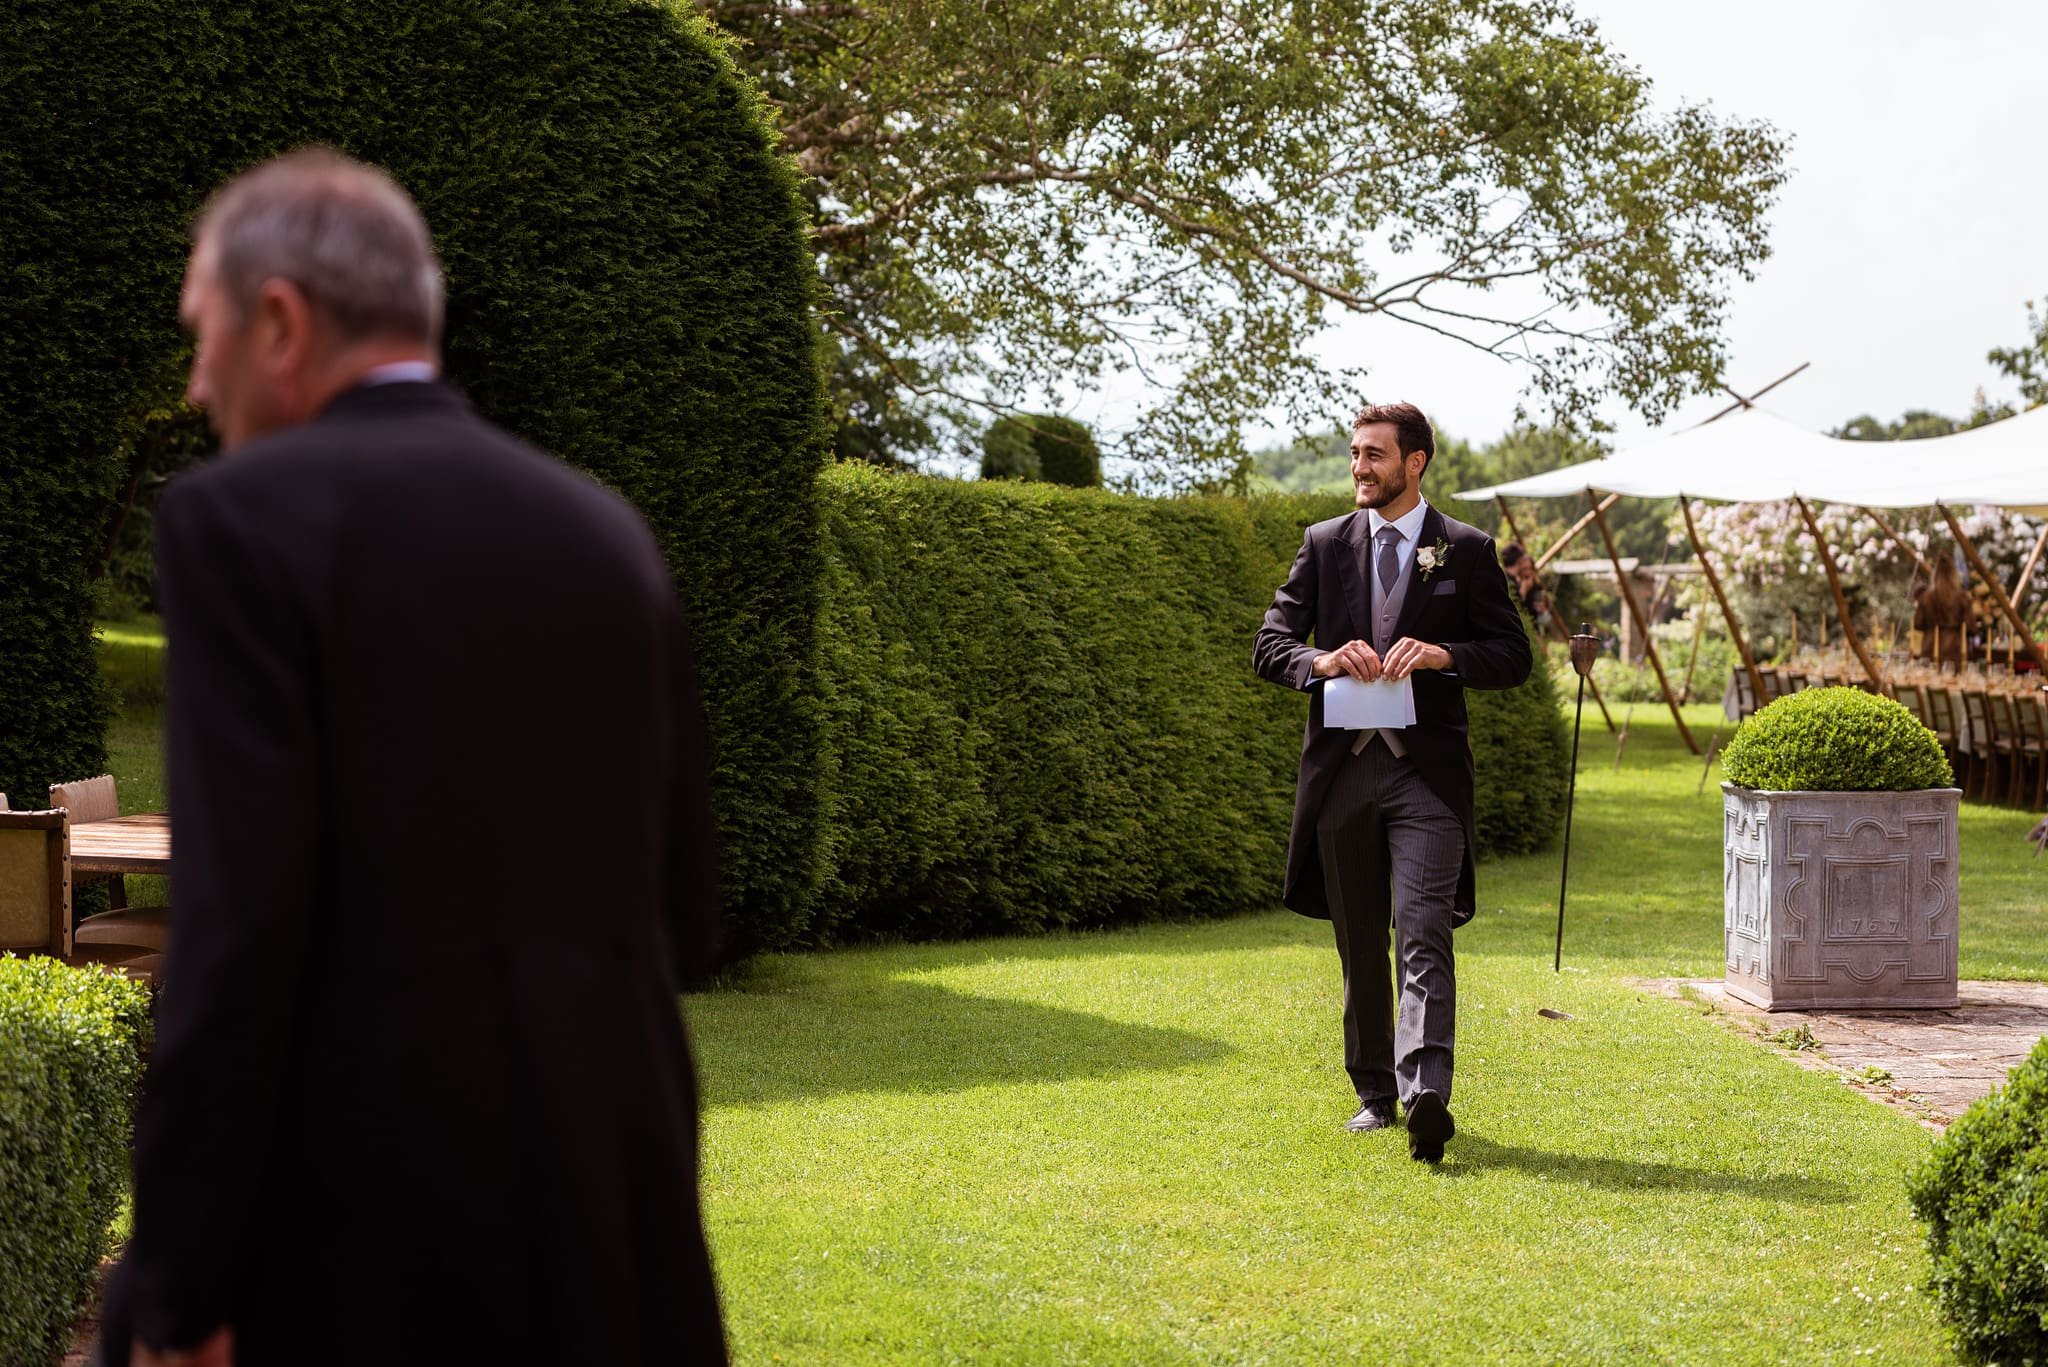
<point>1409,655</point>
<point>1355,658</point>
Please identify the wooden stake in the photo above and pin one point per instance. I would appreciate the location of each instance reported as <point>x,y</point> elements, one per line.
<point>2005,606</point>
<point>1756,680</point>
<point>1699,627</point>
<point>1575,529</point>
<point>1628,596</point>
<point>1713,749</point>
<point>1827,560</point>
<point>1621,741</point>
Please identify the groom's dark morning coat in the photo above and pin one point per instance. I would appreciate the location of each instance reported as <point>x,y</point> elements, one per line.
<point>1463,605</point>
<point>420,1091</point>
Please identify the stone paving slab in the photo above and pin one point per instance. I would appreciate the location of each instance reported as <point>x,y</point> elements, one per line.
<point>1932,1063</point>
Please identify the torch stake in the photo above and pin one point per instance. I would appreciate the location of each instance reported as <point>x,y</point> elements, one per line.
<point>1585,647</point>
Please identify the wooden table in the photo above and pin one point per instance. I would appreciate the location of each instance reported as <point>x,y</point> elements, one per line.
<point>127,844</point>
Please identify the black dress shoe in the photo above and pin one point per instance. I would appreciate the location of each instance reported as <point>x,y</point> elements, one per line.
<point>1429,1125</point>
<point>1372,1115</point>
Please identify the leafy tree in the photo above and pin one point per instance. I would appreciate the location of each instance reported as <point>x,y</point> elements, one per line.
<point>2027,363</point>
<point>1016,196</point>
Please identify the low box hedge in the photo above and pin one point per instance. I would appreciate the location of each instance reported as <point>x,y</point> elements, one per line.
<point>71,1046</point>
<point>1040,710</point>
<point>1983,1191</point>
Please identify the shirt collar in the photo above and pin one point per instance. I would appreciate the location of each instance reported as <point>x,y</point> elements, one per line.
<point>401,372</point>
<point>1409,524</point>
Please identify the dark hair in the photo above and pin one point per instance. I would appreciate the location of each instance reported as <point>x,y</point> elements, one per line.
<point>1512,554</point>
<point>1412,431</point>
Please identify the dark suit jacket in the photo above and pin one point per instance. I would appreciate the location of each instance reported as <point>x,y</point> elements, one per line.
<point>1463,605</point>
<point>420,1090</point>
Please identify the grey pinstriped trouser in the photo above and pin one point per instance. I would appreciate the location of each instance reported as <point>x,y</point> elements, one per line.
<point>1391,854</point>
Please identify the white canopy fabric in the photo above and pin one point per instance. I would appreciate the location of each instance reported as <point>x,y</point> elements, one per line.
<point>1753,456</point>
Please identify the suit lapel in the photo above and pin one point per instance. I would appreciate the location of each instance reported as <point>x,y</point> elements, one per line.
<point>1418,588</point>
<point>1357,577</point>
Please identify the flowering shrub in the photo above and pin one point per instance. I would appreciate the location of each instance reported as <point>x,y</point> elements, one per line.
<point>1773,572</point>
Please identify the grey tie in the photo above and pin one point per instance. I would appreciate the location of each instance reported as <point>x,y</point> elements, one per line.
<point>1390,575</point>
<point>1383,631</point>
<point>1389,558</point>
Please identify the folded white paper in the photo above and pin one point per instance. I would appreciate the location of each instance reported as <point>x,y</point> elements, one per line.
<point>1353,706</point>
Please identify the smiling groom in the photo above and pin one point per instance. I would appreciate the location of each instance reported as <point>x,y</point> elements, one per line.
<point>1382,838</point>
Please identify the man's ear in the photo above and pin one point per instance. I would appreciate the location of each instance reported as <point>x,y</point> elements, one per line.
<point>284,326</point>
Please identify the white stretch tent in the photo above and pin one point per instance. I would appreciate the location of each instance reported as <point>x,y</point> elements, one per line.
<point>1753,456</point>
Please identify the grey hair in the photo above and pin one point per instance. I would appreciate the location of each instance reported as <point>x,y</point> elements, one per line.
<point>343,231</point>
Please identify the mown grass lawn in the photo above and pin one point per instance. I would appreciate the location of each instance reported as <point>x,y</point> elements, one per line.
<point>1126,1146</point>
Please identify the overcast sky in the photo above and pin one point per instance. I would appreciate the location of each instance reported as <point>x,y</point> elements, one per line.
<point>1912,231</point>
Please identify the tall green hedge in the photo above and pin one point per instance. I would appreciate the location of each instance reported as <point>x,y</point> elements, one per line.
<point>1040,710</point>
<point>71,1043</point>
<point>629,286</point>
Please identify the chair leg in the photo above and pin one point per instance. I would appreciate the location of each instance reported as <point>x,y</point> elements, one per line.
<point>117,892</point>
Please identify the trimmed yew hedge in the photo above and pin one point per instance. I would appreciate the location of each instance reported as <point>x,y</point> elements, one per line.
<point>71,1043</point>
<point>629,286</point>
<point>1040,710</point>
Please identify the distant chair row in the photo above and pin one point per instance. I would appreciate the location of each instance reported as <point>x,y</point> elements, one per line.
<point>36,887</point>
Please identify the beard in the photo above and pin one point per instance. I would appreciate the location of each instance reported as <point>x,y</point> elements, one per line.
<point>1383,491</point>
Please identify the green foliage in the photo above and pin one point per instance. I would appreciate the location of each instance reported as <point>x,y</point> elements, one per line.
<point>1835,740</point>
<point>1042,446</point>
<point>1178,188</point>
<point>1521,748</point>
<point>2028,362</point>
<point>1067,453</point>
<point>629,287</point>
<point>1007,452</point>
<point>1983,1192</point>
<point>1040,711</point>
<point>71,1043</point>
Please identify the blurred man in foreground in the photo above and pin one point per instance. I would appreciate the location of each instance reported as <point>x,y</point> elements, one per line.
<point>420,1091</point>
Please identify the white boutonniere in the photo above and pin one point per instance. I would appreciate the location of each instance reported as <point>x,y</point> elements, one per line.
<point>1428,558</point>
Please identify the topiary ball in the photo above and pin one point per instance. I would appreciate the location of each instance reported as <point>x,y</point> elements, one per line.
<point>1836,740</point>
<point>1983,1192</point>
<point>1067,452</point>
<point>1007,452</point>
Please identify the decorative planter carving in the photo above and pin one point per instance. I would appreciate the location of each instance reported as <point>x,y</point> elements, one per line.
<point>1840,899</point>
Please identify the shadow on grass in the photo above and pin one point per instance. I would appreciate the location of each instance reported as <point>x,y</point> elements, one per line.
<point>818,1037</point>
<point>1474,1153</point>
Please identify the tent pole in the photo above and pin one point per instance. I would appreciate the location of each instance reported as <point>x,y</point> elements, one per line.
<point>2005,606</point>
<point>1918,559</point>
<point>1750,402</point>
<point>2019,588</point>
<point>1628,596</point>
<point>1573,531</point>
<point>1556,627</point>
<point>1756,680</point>
<point>1508,520</point>
<point>1827,560</point>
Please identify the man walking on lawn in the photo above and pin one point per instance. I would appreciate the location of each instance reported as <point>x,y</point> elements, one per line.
<point>1382,835</point>
<point>420,1091</point>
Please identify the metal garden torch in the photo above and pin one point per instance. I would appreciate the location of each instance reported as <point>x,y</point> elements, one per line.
<point>1585,650</point>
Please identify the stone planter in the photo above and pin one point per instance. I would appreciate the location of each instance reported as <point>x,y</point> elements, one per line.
<point>1840,899</point>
